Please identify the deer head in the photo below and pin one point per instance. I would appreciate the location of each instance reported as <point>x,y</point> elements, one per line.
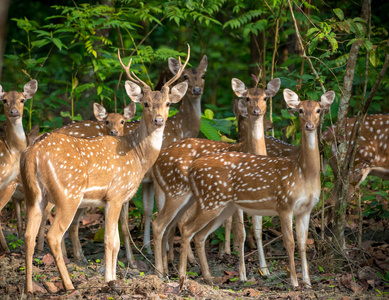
<point>309,111</point>
<point>14,101</point>
<point>114,121</point>
<point>156,103</point>
<point>255,97</point>
<point>194,76</point>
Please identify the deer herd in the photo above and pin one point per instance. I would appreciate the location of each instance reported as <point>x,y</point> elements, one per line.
<point>197,183</point>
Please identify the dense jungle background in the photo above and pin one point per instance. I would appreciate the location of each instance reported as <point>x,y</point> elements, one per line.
<point>70,48</point>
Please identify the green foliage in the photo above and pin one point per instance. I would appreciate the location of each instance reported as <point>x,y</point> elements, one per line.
<point>14,242</point>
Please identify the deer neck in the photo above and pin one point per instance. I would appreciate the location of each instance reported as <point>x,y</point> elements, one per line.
<point>256,136</point>
<point>15,136</point>
<point>146,141</point>
<point>189,113</point>
<point>309,157</point>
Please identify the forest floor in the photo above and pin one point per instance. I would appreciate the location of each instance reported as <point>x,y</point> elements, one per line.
<point>364,274</point>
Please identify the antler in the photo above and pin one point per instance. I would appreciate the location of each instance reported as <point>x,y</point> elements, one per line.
<point>127,69</point>
<point>182,68</point>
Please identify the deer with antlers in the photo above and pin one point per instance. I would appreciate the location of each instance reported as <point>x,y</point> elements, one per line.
<point>13,143</point>
<point>171,169</point>
<point>266,186</point>
<point>103,171</point>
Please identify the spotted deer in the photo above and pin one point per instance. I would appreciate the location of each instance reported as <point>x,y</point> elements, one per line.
<point>171,169</point>
<point>107,124</point>
<point>13,143</point>
<point>372,152</point>
<point>185,123</point>
<point>260,185</point>
<point>103,171</point>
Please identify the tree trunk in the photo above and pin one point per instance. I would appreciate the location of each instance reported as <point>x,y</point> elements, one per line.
<point>342,174</point>
<point>4,5</point>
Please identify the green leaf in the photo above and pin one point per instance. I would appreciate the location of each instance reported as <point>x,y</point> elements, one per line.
<point>368,45</point>
<point>312,30</point>
<point>58,43</point>
<point>99,89</point>
<point>313,44</point>
<point>334,43</point>
<point>373,58</point>
<point>209,113</point>
<point>339,13</point>
<point>209,131</point>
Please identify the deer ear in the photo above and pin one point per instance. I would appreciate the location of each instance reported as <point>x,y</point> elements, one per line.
<point>30,89</point>
<point>33,134</point>
<point>237,107</point>
<point>1,92</point>
<point>327,99</point>
<point>174,65</point>
<point>291,99</point>
<point>178,91</point>
<point>238,87</point>
<point>203,63</point>
<point>133,91</point>
<point>273,87</point>
<point>267,125</point>
<point>100,112</point>
<point>129,111</point>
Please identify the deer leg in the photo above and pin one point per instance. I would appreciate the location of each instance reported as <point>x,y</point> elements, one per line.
<point>167,218</point>
<point>257,225</point>
<point>111,238</point>
<point>227,244</point>
<point>5,195</point>
<point>302,224</point>
<point>41,232</point>
<point>287,236</point>
<point>74,237</point>
<point>34,217</point>
<point>17,204</point>
<point>64,214</point>
<point>241,235</point>
<point>126,233</point>
<point>186,216</point>
<point>148,206</point>
<point>201,223</point>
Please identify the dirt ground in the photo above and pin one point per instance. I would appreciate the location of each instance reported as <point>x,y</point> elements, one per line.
<point>357,278</point>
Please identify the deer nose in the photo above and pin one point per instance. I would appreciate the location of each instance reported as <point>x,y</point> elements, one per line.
<point>114,132</point>
<point>159,121</point>
<point>309,126</point>
<point>257,111</point>
<point>197,90</point>
<point>14,113</point>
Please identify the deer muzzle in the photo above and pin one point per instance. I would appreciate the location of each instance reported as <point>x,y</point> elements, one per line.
<point>257,111</point>
<point>14,113</point>
<point>159,121</point>
<point>196,90</point>
<point>114,132</point>
<point>309,126</point>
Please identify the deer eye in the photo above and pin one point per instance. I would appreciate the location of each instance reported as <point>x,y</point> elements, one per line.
<point>265,98</point>
<point>167,104</point>
<point>186,77</point>
<point>247,99</point>
<point>22,100</point>
<point>4,101</point>
<point>301,111</point>
<point>122,122</point>
<point>107,122</point>
<point>146,105</point>
<point>318,110</point>
<point>203,76</point>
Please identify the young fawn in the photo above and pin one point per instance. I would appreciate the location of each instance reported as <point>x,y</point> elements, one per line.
<point>259,185</point>
<point>13,143</point>
<point>102,171</point>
